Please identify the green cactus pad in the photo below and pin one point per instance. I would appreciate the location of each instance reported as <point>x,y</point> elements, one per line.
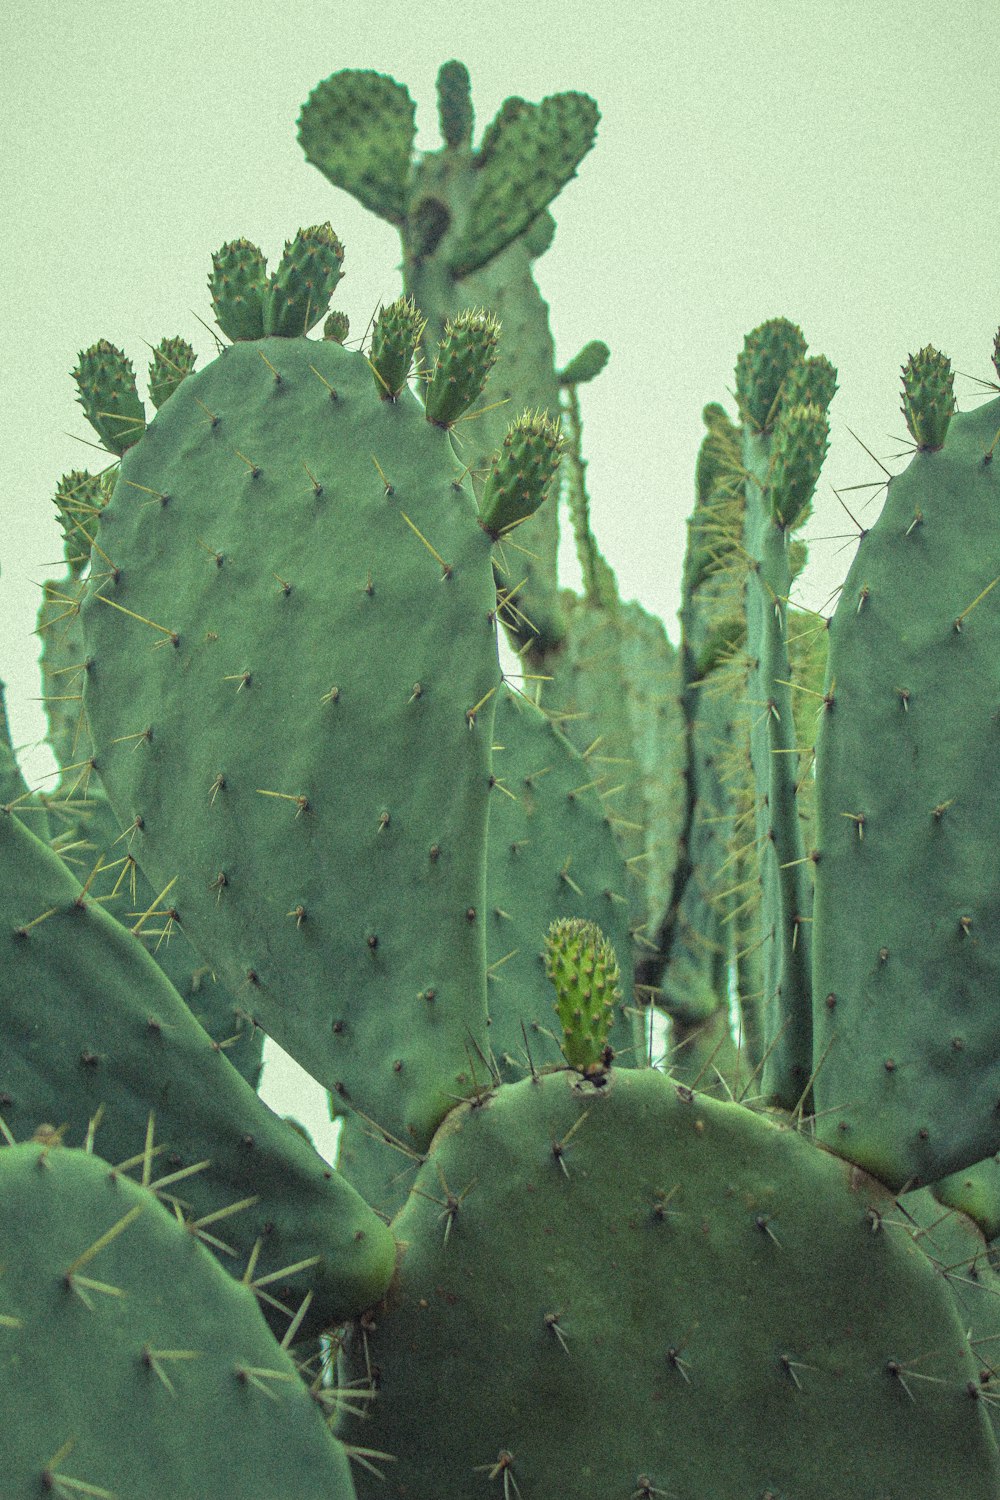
<point>527,156</point>
<point>321,707</point>
<point>582,966</point>
<point>521,473</point>
<point>594,1279</point>
<point>299,291</point>
<point>105,380</point>
<point>130,1363</point>
<point>768,355</point>
<point>358,128</point>
<point>173,358</point>
<point>907,916</point>
<point>586,365</point>
<point>91,1030</point>
<point>455,105</point>
<point>801,440</point>
<point>465,357</point>
<point>928,397</point>
<point>394,339</point>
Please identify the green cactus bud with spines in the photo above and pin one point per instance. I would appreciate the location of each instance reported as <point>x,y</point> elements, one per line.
<point>358,127</point>
<point>586,365</point>
<point>109,397</point>
<point>173,358</point>
<point>337,326</point>
<point>583,967</point>
<point>299,291</point>
<point>394,339</point>
<point>522,472</point>
<point>996,353</point>
<point>79,499</point>
<point>812,382</point>
<point>526,157</point>
<point>928,397</point>
<point>237,284</point>
<point>769,353</point>
<point>455,104</point>
<point>465,357</point>
<point>801,440</point>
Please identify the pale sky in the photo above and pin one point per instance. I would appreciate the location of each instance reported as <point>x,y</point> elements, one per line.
<point>832,164</point>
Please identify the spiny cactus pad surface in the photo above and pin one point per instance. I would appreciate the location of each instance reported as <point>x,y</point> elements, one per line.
<point>609,1283</point>
<point>118,1332</point>
<point>91,1031</point>
<point>304,618</point>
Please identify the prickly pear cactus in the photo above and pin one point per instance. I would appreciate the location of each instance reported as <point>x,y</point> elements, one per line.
<point>655,998</point>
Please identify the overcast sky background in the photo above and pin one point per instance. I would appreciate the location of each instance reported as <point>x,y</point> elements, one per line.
<point>833,164</point>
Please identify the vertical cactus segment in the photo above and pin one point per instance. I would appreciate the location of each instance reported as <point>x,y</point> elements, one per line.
<point>179,1389</point>
<point>783,448</point>
<point>307,628</point>
<point>753,1276</point>
<point>455,105</point>
<point>357,127</point>
<point>582,966</point>
<point>105,380</point>
<point>907,914</point>
<point>113,1042</point>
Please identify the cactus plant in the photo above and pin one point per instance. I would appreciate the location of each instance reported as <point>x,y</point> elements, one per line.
<point>655,1001</point>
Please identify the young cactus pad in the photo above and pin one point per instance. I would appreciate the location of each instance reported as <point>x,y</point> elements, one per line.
<point>584,970</point>
<point>304,621</point>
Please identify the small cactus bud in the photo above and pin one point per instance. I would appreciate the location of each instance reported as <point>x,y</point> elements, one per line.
<point>394,338</point>
<point>522,472</point>
<point>337,327</point>
<point>109,397</point>
<point>582,965</point>
<point>79,498</point>
<point>928,397</point>
<point>768,354</point>
<point>801,439</point>
<point>812,382</point>
<point>466,355</point>
<point>173,358</point>
<point>237,285</point>
<point>299,291</point>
